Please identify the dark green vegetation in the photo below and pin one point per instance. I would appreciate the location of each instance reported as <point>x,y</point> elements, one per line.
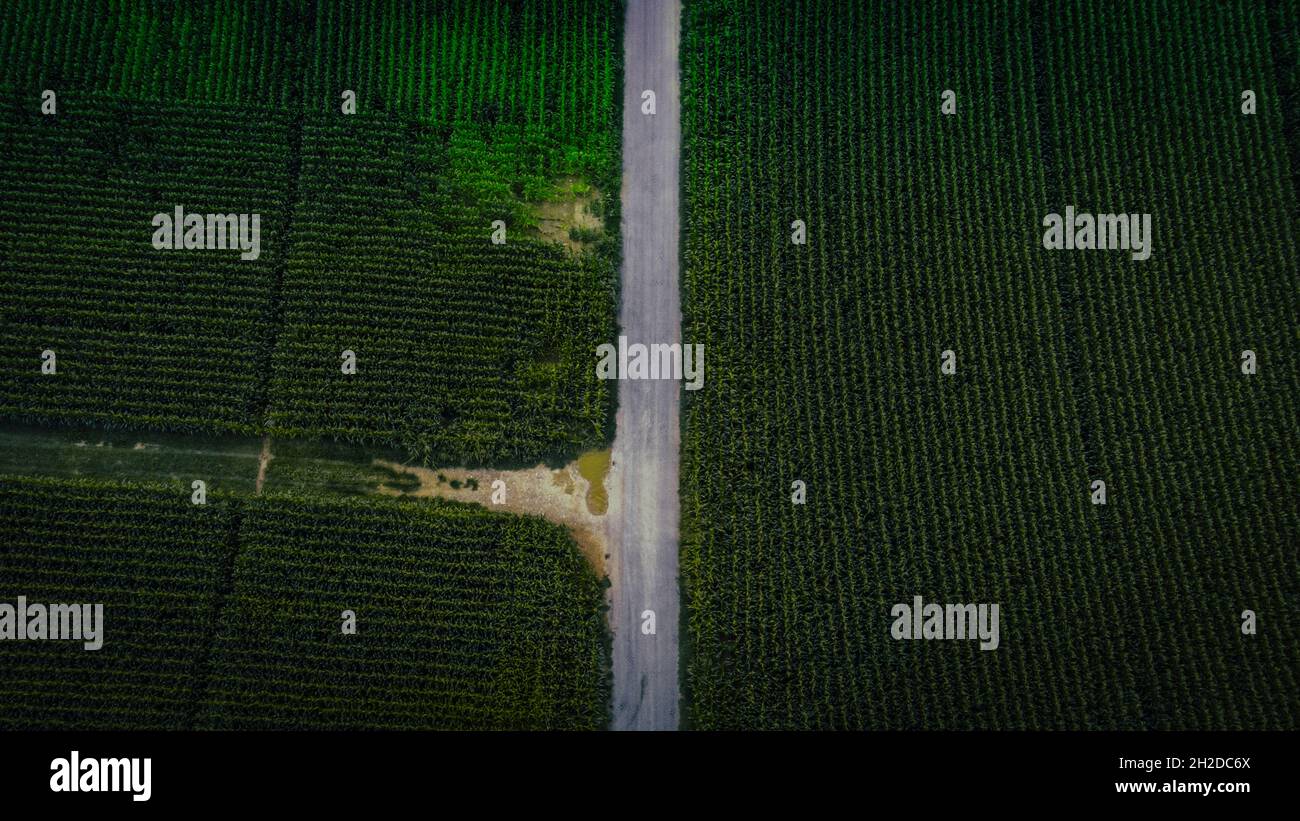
<point>153,560</point>
<point>226,51</point>
<point>466,619</point>
<point>374,238</point>
<point>466,350</point>
<point>467,112</point>
<point>229,614</point>
<point>924,235</point>
<point>144,338</point>
<point>375,226</point>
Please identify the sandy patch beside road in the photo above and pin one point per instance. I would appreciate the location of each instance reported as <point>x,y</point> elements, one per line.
<point>559,496</point>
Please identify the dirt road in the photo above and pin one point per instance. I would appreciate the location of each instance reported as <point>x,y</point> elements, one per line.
<point>644,510</point>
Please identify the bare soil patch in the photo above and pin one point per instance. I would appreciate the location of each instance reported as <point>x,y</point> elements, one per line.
<point>563,496</point>
<point>577,206</point>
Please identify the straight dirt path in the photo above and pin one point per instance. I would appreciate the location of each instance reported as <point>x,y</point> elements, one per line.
<point>644,509</point>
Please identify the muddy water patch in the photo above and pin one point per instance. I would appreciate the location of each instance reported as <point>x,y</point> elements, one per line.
<point>594,467</point>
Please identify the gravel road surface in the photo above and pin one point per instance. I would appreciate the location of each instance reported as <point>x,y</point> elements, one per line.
<point>644,510</point>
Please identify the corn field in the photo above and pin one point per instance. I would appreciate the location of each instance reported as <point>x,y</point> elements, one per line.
<point>376,224</point>
<point>924,236</point>
<point>230,614</point>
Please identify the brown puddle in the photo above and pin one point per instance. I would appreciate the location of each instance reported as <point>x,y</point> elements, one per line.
<point>594,467</point>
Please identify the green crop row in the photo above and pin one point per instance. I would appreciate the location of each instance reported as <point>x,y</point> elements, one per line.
<point>924,235</point>
<point>231,614</point>
<point>375,225</point>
